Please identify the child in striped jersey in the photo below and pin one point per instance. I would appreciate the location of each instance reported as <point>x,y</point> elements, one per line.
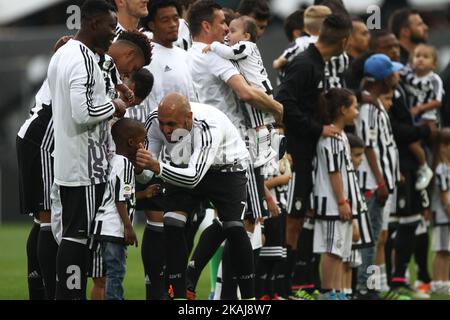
<point>336,196</point>
<point>270,271</point>
<point>245,53</point>
<point>113,226</point>
<point>360,226</point>
<point>425,91</point>
<point>440,205</point>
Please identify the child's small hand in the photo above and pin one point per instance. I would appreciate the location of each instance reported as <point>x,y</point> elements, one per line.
<point>207,49</point>
<point>345,213</point>
<point>416,110</point>
<point>130,236</point>
<point>273,208</point>
<point>152,190</point>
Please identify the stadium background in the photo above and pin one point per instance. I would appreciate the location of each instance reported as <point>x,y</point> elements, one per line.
<point>28,30</point>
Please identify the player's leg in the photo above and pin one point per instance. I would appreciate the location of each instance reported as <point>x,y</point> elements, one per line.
<point>36,289</point>
<point>97,271</point>
<point>114,255</point>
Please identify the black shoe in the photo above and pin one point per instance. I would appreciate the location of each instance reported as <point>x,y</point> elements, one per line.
<point>367,295</point>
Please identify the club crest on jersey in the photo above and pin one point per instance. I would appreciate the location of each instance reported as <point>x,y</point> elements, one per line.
<point>127,191</point>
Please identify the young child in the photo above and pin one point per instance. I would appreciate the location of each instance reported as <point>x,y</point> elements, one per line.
<point>441,217</point>
<point>425,90</point>
<point>141,83</point>
<point>361,235</point>
<point>270,275</point>
<point>335,192</point>
<point>379,171</point>
<point>113,223</point>
<point>312,21</point>
<point>244,51</point>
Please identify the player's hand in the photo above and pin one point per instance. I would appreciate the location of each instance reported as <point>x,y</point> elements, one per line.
<point>427,214</point>
<point>331,131</point>
<point>130,236</point>
<point>152,190</point>
<point>278,112</point>
<point>382,194</point>
<point>207,49</point>
<point>416,110</point>
<point>273,208</point>
<point>145,160</point>
<point>128,97</point>
<point>61,41</point>
<point>345,212</point>
<point>121,108</point>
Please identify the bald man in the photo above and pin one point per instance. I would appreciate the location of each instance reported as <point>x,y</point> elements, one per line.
<point>203,158</point>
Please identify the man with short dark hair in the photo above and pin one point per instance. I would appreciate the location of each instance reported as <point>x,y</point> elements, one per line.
<point>80,109</point>
<point>128,14</point>
<point>258,10</point>
<point>358,43</point>
<point>299,93</point>
<point>409,28</point>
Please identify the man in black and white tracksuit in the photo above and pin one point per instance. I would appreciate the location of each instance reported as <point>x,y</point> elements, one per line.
<point>80,109</point>
<point>203,157</point>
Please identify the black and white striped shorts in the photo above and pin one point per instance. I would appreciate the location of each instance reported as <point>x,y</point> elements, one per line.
<point>96,265</point>
<point>256,199</point>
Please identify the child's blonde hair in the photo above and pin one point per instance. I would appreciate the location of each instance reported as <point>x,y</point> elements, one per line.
<point>442,139</point>
<point>428,47</point>
<point>314,17</point>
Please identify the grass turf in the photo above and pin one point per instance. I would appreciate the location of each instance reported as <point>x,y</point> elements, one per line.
<point>13,266</point>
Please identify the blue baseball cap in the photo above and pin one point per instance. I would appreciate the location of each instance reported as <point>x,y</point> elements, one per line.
<point>380,66</point>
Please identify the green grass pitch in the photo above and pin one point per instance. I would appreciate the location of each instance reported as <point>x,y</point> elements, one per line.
<point>13,266</point>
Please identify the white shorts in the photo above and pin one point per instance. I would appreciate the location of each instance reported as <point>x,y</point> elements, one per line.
<point>441,238</point>
<point>355,258</point>
<point>333,236</point>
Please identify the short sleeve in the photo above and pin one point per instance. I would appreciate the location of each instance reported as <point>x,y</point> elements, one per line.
<point>367,125</point>
<point>123,182</point>
<point>334,153</point>
<point>442,178</point>
<point>222,68</point>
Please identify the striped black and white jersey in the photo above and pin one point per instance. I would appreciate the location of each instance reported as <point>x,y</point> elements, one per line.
<point>110,75</point>
<point>422,90</point>
<point>335,71</point>
<point>80,109</point>
<point>441,184</point>
<point>184,36</point>
<point>300,45</point>
<point>249,62</point>
<point>120,188</point>
<point>279,193</point>
<point>374,128</point>
<point>171,74</point>
<point>210,74</point>
<point>119,30</point>
<point>213,143</point>
<point>38,128</point>
<point>333,155</point>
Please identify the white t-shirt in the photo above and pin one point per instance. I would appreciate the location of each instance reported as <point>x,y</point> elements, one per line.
<point>80,109</point>
<point>441,184</point>
<point>120,188</point>
<point>210,74</point>
<point>170,70</point>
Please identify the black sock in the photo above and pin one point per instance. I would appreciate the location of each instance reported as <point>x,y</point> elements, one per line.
<point>280,281</point>
<point>36,289</point>
<point>241,258</point>
<point>388,253</point>
<point>191,230</point>
<point>421,257</point>
<point>210,240</point>
<point>176,258</point>
<point>262,271</point>
<point>229,280</point>
<point>316,271</point>
<point>303,269</point>
<point>290,266</point>
<point>71,268</point>
<point>47,249</point>
<point>153,259</point>
<point>404,247</point>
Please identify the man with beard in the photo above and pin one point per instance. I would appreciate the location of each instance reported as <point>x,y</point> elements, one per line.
<point>80,109</point>
<point>128,14</point>
<point>409,28</point>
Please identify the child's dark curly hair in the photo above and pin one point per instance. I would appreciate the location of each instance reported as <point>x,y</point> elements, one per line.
<point>139,40</point>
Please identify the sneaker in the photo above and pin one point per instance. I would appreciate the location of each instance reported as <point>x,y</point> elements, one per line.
<point>211,295</point>
<point>392,295</point>
<point>301,294</point>
<point>265,297</point>
<point>342,296</point>
<point>365,294</point>
<point>424,176</point>
<point>423,287</point>
<point>190,294</point>
<point>170,292</point>
<point>330,295</point>
<point>407,291</point>
<point>440,289</point>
